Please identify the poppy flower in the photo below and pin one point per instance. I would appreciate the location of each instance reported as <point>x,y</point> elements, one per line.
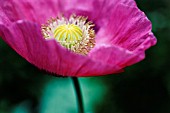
<point>76,37</point>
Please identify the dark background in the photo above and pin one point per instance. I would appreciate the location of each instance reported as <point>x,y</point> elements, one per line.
<point>142,88</point>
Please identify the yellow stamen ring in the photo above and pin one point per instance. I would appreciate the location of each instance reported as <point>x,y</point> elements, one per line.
<point>75,33</point>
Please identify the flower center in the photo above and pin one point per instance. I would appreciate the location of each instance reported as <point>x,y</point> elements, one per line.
<point>68,34</point>
<point>75,33</point>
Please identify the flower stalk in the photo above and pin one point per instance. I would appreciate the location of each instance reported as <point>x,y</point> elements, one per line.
<point>78,95</point>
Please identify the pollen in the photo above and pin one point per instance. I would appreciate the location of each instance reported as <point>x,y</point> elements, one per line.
<point>74,33</point>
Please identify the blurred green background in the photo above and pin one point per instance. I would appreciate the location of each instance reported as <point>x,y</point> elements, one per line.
<point>142,88</point>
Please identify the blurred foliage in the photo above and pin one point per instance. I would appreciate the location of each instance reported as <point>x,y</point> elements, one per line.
<point>142,88</point>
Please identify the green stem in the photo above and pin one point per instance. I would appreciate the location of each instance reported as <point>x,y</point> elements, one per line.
<point>78,94</point>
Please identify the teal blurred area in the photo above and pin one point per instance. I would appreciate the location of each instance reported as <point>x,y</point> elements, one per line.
<point>142,88</point>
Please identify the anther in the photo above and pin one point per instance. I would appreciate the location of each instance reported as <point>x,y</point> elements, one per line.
<point>75,33</point>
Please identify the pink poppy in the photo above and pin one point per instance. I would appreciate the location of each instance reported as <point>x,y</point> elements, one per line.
<point>119,38</point>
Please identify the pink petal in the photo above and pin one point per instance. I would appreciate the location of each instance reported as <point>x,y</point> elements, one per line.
<point>114,55</point>
<point>33,10</point>
<point>40,11</point>
<point>26,39</point>
<point>124,40</point>
<point>97,11</point>
<point>3,18</point>
<point>128,28</point>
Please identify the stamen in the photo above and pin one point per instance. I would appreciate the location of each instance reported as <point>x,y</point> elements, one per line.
<point>75,33</point>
